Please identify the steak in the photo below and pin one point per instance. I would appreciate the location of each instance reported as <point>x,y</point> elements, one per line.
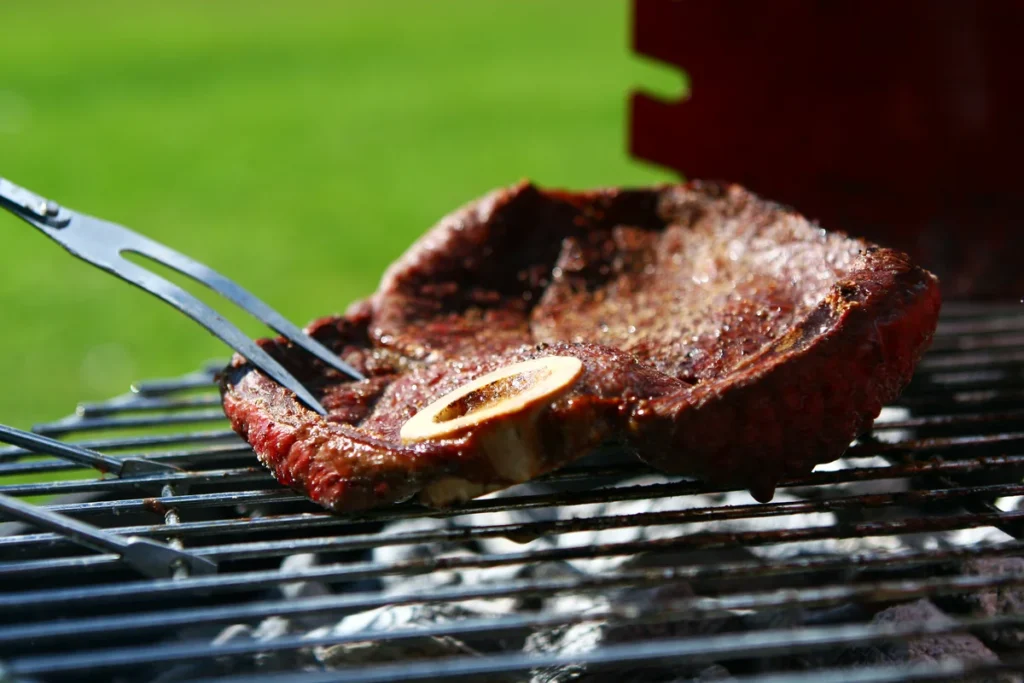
<point>716,335</point>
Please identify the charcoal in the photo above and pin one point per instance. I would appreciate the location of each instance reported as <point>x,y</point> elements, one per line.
<point>993,602</point>
<point>924,649</point>
<point>636,674</point>
<point>393,617</point>
<point>567,640</point>
<point>597,630</point>
<point>520,543</point>
<point>715,672</point>
<point>267,630</point>
<point>370,652</point>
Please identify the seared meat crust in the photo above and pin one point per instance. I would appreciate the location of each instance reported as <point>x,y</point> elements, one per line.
<point>722,336</point>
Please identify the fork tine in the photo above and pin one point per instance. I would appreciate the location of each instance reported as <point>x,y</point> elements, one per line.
<point>102,243</point>
<point>215,323</point>
<point>234,292</point>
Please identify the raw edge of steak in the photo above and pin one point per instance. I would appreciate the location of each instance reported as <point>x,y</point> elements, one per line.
<point>796,402</point>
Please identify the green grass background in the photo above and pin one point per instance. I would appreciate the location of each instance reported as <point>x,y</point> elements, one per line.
<point>298,147</point>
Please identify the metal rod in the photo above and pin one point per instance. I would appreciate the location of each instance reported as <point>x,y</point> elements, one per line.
<point>697,607</point>
<point>537,529</point>
<point>523,502</point>
<point>119,466</point>
<point>152,559</point>
<point>662,651</point>
<point>160,478</point>
<point>134,403</point>
<point>86,424</point>
<point>972,360</point>
<point>161,387</point>
<point>195,458</point>
<point>969,399</point>
<point>693,542</point>
<point>178,652</point>
<point>122,443</point>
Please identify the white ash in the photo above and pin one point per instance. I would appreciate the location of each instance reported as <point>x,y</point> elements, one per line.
<point>389,619</point>
<point>584,635</point>
<point>963,647</point>
<point>1010,503</point>
<point>891,414</point>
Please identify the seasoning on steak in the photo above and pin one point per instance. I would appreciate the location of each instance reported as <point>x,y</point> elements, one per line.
<point>721,336</point>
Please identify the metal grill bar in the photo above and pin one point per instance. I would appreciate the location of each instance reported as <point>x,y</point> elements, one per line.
<point>952,420</point>
<point>995,397</point>
<point>97,424</point>
<point>122,443</point>
<point>243,450</point>
<point>624,656</point>
<point>963,435</point>
<point>522,502</point>
<point>690,608</point>
<point>1009,359</point>
<point>348,572</point>
<point>946,443</point>
<point>988,325</point>
<point>975,342</point>
<point>209,455</point>
<point>203,455</point>
<point>200,379</point>
<point>75,454</point>
<point>538,529</point>
<point>123,657</point>
<point>334,573</point>
<point>946,670</point>
<point>148,557</point>
<point>766,643</point>
<point>133,403</point>
<point>243,475</point>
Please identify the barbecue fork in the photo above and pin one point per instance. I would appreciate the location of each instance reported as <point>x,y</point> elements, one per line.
<point>102,244</point>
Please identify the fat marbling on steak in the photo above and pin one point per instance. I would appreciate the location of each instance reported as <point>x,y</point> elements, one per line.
<point>721,336</point>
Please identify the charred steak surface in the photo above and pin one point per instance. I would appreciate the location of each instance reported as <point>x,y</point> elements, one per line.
<point>720,335</point>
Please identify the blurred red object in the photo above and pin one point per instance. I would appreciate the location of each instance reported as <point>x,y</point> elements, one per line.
<point>902,122</point>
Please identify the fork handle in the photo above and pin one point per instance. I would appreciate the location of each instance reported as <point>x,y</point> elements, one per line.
<point>32,207</point>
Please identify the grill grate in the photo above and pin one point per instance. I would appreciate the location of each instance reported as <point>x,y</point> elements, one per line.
<point>786,584</point>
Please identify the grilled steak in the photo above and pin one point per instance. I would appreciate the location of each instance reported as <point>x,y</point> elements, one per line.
<point>717,335</point>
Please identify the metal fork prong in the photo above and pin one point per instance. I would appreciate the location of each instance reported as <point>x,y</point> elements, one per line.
<point>215,323</point>
<point>243,298</point>
<point>103,243</point>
